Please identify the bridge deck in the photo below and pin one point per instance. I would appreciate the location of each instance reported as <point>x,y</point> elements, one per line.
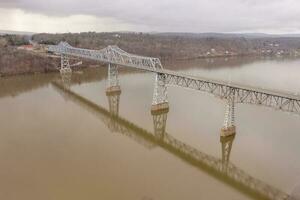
<point>80,53</point>
<point>231,85</point>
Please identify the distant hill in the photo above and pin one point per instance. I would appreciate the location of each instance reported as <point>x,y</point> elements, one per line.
<point>181,45</point>
<point>167,46</point>
<point>226,35</point>
<point>184,34</point>
<point>4,32</point>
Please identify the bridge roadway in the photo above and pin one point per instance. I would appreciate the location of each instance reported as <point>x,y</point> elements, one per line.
<point>240,94</point>
<point>223,171</point>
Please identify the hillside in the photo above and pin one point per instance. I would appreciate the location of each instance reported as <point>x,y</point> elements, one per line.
<point>180,45</point>
<point>166,46</point>
<point>9,32</point>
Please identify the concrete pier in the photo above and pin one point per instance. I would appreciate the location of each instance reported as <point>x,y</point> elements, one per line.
<point>160,108</point>
<point>228,131</point>
<point>113,90</point>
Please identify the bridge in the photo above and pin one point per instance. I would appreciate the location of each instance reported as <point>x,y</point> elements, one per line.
<point>230,93</point>
<point>221,169</point>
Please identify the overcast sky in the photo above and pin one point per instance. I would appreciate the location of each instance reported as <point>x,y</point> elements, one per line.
<point>269,16</point>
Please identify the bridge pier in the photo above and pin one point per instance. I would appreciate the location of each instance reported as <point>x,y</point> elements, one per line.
<point>65,71</point>
<point>160,100</point>
<point>113,85</point>
<point>113,89</point>
<point>228,128</point>
<point>159,122</point>
<point>65,64</point>
<point>226,149</point>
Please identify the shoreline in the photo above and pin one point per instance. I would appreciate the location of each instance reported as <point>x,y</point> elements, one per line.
<point>35,61</point>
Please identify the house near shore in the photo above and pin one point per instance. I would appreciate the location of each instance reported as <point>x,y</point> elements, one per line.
<point>28,47</point>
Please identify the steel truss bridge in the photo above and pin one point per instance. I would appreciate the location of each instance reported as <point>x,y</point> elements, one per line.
<point>230,93</point>
<point>222,169</point>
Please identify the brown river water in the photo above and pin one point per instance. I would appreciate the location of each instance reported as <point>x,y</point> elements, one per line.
<point>60,145</point>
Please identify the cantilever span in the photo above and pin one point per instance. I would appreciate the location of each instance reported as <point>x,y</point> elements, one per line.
<point>110,54</point>
<point>221,169</point>
<point>232,94</point>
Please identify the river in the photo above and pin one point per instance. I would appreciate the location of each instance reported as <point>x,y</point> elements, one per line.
<point>59,146</point>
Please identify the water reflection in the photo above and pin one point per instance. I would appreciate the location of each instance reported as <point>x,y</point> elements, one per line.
<point>226,149</point>
<point>219,167</point>
<point>14,86</point>
<point>160,122</point>
<point>222,169</point>
<point>113,97</point>
<point>66,78</point>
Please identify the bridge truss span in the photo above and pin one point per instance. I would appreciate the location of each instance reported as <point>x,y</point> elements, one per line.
<point>239,94</point>
<point>115,56</point>
<point>111,54</point>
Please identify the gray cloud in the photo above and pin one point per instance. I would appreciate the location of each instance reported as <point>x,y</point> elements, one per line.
<point>178,15</point>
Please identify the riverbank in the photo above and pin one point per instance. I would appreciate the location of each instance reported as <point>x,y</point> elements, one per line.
<point>17,56</point>
<point>22,62</point>
<point>16,62</point>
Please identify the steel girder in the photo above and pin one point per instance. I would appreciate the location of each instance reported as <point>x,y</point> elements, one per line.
<point>110,54</point>
<point>288,103</point>
<point>65,64</point>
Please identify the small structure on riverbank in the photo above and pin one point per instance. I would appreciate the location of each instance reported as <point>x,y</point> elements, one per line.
<point>28,47</point>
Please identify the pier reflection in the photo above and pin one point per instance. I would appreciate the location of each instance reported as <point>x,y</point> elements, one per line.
<point>66,78</point>
<point>226,142</point>
<point>159,122</point>
<point>219,168</point>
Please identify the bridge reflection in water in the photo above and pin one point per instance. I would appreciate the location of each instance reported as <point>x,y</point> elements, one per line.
<point>222,169</point>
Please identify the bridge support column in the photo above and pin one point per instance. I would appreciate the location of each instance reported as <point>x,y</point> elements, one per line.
<point>226,149</point>
<point>229,126</point>
<point>160,101</point>
<point>113,85</point>
<point>159,122</point>
<point>65,64</point>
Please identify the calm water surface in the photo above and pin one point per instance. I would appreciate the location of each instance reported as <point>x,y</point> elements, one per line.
<point>56,146</point>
